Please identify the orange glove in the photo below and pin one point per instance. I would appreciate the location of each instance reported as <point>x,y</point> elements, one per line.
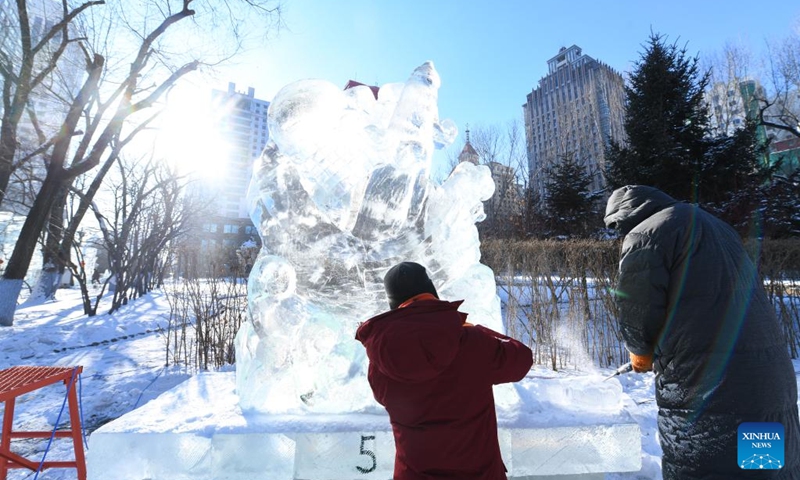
<point>642,363</point>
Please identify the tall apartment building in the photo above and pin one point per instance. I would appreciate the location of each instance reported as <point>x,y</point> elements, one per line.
<point>242,124</point>
<point>732,104</point>
<point>49,101</point>
<point>576,110</point>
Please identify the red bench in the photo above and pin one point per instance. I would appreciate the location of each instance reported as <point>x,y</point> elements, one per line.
<point>16,381</point>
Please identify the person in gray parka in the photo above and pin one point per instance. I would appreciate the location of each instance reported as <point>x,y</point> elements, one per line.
<point>693,309</point>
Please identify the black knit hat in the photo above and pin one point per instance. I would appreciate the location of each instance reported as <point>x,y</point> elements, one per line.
<point>406,280</point>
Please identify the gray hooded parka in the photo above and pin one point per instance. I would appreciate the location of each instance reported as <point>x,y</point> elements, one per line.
<point>689,294</point>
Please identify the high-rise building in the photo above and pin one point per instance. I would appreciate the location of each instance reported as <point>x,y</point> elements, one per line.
<point>241,121</point>
<point>726,107</point>
<point>577,109</point>
<point>243,127</point>
<point>49,100</point>
<point>732,104</point>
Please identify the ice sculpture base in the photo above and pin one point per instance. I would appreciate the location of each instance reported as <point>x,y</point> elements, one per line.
<point>197,431</point>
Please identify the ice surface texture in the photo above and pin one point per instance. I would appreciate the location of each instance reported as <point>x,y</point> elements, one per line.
<point>340,194</point>
<point>196,431</point>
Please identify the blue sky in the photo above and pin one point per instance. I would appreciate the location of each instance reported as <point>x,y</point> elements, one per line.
<point>489,54</point>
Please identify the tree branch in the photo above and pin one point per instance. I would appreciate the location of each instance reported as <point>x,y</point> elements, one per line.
<point>110,132</point>
<point>73,115</point>
<point>63,25</point>
<point>165,86</point>
<point>144,48</point>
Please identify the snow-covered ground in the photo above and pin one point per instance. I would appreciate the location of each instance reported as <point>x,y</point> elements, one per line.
<point>123,357</point>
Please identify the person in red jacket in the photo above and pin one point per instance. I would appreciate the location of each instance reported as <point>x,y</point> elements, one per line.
<point>434,374</point>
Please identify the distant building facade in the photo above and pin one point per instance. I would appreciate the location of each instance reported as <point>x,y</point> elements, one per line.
<point>243,126</point>
<point>49,101</point>
<point>575,111</point>
<point>785,145</point>
<point>787,152</point>
<point>241,121</point>
<point>506,202</point>
<point>728,105</point>
<point>733,103</point>
<point>468,153</point>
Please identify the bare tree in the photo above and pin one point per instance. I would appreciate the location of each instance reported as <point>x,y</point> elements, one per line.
<point>780,110</point>
<point>27,61</point>
<point>775,88</point>
<point>112,106</point>
<point>727,97</point>
<point>149,213</point>
<point>451,161</point>
<point>502,149</point>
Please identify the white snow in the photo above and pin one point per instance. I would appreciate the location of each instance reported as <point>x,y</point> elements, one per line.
<point>123,360</point>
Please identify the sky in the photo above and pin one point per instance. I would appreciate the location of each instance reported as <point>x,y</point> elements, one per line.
<point>490,55</point>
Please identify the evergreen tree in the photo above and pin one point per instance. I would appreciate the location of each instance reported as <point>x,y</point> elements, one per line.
<point>670,145</point>
<point>735,177</point>
<point>665,123</point>
<point>571,207</point>
<point>782,206</point>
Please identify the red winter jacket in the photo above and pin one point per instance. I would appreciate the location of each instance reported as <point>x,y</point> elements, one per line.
<point>434,375</point>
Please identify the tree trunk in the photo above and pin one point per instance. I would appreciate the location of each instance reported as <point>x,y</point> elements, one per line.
<point>93,306</point>
<point>46,285</point>
<point>80,275</point>
<point>9,292</point>
<point>8,143</point>
<point>84,204</point>
<point>8,126</point>
<point>24,249</point>
<point>54,265</point>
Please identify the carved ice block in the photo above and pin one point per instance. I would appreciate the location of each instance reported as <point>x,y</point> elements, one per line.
<point>197,431</point>
<point>576,450</point>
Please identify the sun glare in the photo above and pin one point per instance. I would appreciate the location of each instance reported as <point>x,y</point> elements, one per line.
<point>189,139</point>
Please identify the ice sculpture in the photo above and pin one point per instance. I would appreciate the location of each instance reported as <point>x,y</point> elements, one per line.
<point>339,195</point>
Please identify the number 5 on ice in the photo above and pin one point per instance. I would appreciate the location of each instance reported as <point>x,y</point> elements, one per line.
<point>369,453</point>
